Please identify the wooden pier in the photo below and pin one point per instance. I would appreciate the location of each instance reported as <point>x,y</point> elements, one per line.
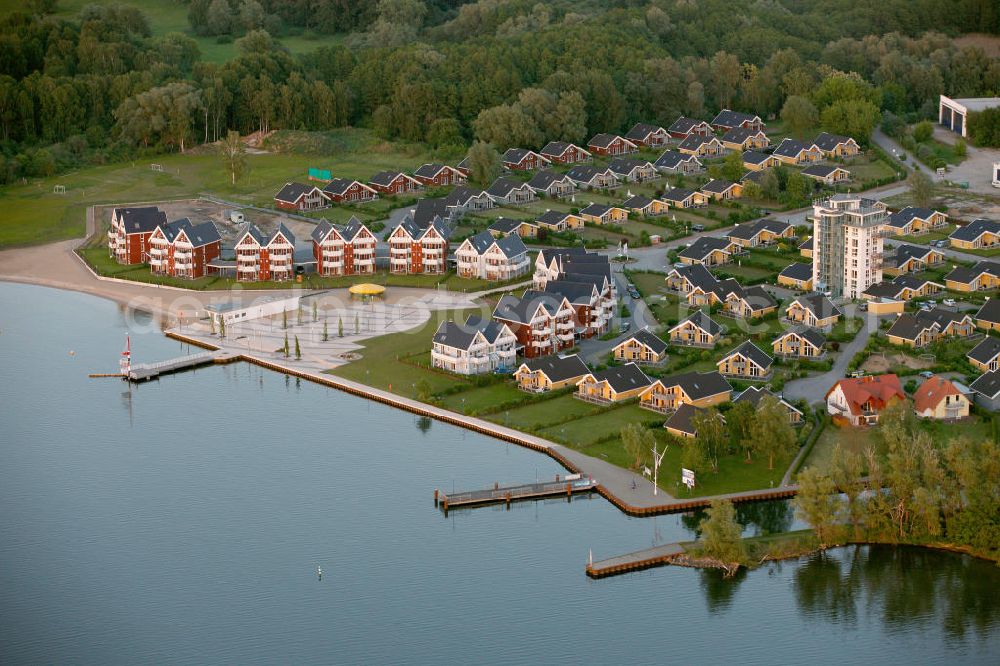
<point>560,487</point>
<point>642,559</point>
<point>145,371</point>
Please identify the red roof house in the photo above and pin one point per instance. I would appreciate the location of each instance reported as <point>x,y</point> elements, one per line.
<point>861,400</point>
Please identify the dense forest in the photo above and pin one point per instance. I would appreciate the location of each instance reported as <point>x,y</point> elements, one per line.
<point>101,86</point>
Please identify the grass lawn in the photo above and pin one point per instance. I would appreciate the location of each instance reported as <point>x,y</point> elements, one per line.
<point>481,399</point>
<point>34,215</point>
<point>743,273</point>
<point>582,432</point>
<point>924,239</point>
<point>539,414</point>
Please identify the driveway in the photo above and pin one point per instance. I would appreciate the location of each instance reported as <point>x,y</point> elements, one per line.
<point>977,167</point>
<point>813,389</point>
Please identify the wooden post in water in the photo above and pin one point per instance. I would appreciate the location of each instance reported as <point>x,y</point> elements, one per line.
<point>435,497</point>
<point>569,491</point>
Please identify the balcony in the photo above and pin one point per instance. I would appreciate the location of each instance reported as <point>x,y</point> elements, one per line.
<point>566,337</point>
<point>595,398</point>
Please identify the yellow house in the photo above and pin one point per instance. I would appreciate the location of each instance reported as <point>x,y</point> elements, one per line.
<point>912,220</point>
<point>988,317</point>
<point>985,356</point>
<point>722,190</point>
<point>614,384</point>
<point>834,145</point>
<point>708,251</point>
<point>938,398</point>
<point>700,389</point>
<point>602,214</point>
<point>797,275</point>
<point>550,373</point>
<point>806,248</point>
<point>984,276</point>
<point>645,206</point>
<point>698,330</point>
<point>826,174</point>
<point>701,146</point>
<point>682,422</point>
<point>802,343</point>
<point>976,235</point>
<point>748,361</point>
<point>922,328</point>
<point>749,303</point>
<point>790,151</point>
<point>814,310</point>
<point>913,258</point>
<point>680,198</point>
<point>757,161</point>
<point>555,220</point>
<point>745,138</point>
<point>643,347</point>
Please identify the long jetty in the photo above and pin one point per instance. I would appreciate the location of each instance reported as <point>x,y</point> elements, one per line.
<point>503,433</point>
<point>641,559</point>
<point>506,494</point>
<point>145,371</point>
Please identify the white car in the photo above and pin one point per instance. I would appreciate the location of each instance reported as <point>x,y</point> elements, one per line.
<point>950,302</point>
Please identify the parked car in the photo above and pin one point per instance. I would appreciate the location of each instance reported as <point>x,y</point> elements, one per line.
<point>625,327</point>
<point>697,227</point>
<point>950,302</point>
<point>926,374</point>
<point>931,302</point>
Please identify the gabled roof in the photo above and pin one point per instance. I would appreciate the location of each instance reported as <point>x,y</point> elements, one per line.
<point>636,202</point>
<point>462,336</point>
<point>481,242</point>
<point>604,140</point>
<point>517,155</point>
<point>698,385</point>
<point>818,304</point>
<point>878,388</point>
<point>596,209</point>
<point>827,142</point>
<point>810,335</point>
<point>693,141</point>
<point>944,318</point>
<point>987,384</point>
<point>626,165</point>
<point>900,219</point>
<point>790,148</point>
<point>170,230</point>
<point>430,170</point>
<point>914,283</point>
<point>640,131</point>
<point>323,229</point>
<point>886,290</point>
<point>702,321</point>
<point>909,326</point>
<point>756,297</point>
<point>718,186</point>
<point>704,246</point>
<point>821,170</point>
<point>755,157</point>
<point>740,134</point>
<point>283,231</point>
<point>990,311</point>
<point>646,337</point>
<point>202,234</point>
<point>752,352</point>
<point>753,229</point>
<point>386,178</point>
<point>503,186</point>
<point>906,252</point>
<point>353,227</point>
<point>543,179</point>
<point>677,194</point>
<point>553,217</point>
<point>623,378</point>
<point>576,292</point>
<point>557,368</point>
<point>522,309</point>
<point>797,271</point>
<point>807,244</point>
<point>975,229</point>
<point>141,220</point>
<point>557,148</point>
<point>292,192</point>
<point>506,225</point>
<point>930,394</point>
<point>428,210</point>
<point>671,159</point>
<point>986,350</point>
<point>461,195</point>
<point>684,125</point>
<point>753,177</point>
<point>729,118</point>
<point>682,420</point>
<point>341,185</point>
<point>697,274</point>
<point>755,394</point>
<point>511,246</point>
<point>584,173</point>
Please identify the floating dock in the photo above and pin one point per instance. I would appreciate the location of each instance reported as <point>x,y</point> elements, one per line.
<point>567,487</point>
<point>141,372</point>
<point>642,559</point>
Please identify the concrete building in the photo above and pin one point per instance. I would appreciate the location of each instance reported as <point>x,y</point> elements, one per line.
<point>954,113</point>
<point>847,245</point>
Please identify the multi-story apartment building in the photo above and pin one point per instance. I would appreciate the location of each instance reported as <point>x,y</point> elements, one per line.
<point>847,245</point>
<point>419,249</point>
<point>475,347</point>
<point>542,323</point>
<point>128,237</point>
<point>487,258</point>
<point>182,249</point>
<point>347,251</point>
<point>260,257</point>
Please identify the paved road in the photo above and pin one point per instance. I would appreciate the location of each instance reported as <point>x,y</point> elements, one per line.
<point>813,389</point>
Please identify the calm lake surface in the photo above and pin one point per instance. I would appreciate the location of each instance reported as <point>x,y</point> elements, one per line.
<point>183,521</point>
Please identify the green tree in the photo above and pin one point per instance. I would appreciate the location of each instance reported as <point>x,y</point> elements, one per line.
<point>424,392</point>
<point>740,420</point>
<point>637,441</point>
<point>800,115</point>
<point>732,166</point>
<point>326,331</point>
<point>846,469</point>
<point>711,433</point>
<point>694,456</point>
<point>357,324</point>
<point>923,131</point>
<point>922,189</point>
<point>284,349</point>
<point>721,535</point>
<point>233,155</point>
<point>854,118</point>
<point>817,503</point>
<point>773,435</point>
<point>960,148</point>
<point>315,309</point>
<point>484,162</point>
<point>284,319</point>
<point>298,349</point>
<point>340,327</point>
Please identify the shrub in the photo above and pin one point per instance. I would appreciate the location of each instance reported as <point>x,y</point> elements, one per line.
<point>923,131</point>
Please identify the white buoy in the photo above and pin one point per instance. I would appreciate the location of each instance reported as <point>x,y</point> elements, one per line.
<point>319,572</point>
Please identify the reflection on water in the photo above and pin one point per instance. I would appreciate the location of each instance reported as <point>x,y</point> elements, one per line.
<point>424,424</point>
<point>757,518</point>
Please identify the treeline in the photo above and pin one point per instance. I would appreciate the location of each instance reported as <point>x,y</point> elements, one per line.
<point>101,86</point>
<point>932,492</point>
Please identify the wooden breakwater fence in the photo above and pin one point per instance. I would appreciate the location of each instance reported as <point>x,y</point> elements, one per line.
<point>560,487</point>
<point>504,434</point>
<point>641,559</point>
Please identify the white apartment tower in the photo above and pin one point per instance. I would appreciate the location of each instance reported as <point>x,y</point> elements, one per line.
<point>847,253</point>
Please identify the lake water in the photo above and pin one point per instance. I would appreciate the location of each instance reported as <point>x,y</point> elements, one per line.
<point>183,521</point>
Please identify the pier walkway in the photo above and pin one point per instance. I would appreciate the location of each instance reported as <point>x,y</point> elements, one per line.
<point>141,372</point>
<point>641,559</point>
<point>528,491</point>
